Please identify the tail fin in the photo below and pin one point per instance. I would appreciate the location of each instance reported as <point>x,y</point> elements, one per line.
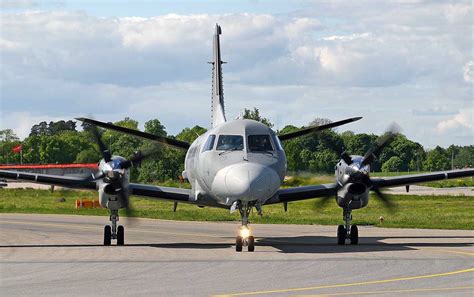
<point>218,114</point>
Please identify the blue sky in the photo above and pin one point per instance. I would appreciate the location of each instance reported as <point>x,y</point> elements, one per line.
<point>406,61</point>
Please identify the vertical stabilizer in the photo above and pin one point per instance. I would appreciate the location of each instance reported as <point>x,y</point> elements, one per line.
<point>218,114</point>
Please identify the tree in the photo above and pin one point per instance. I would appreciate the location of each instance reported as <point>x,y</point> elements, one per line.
<point>465,157</point>
<point>323,161</point>
<point>255,115</point>
<point>40,129</point>
<point>89,155</point>
<point>392,165</point>
<point>437,159</point>
<point>155,127</point>
<point>58,127</point>
<point>190,134</point>
<point>8,135</point>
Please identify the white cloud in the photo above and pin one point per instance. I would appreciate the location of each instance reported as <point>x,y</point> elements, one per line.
<point>462,120</point>
<point>468,71</point>
<point>347,37</point>
<point>338,60</point>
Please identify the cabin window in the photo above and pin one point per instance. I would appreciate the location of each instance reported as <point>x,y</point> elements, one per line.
<point>209,143</point>
<point>277,142</point>
<point>230,143</point>
<point>260,143</point>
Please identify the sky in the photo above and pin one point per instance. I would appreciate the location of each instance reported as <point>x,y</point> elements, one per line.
<point>409,62</point>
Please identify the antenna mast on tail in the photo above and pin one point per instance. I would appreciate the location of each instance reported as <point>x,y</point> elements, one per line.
<point>218,114</point>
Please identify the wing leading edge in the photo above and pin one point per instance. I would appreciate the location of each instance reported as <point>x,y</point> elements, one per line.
<point>420,178</point>
<point>49,179</point>
<point>318,191</point>
<point>151,191</point>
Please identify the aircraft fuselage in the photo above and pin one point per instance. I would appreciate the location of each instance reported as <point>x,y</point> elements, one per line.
<point>237,160</point>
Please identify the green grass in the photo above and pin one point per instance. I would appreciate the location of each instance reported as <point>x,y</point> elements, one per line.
<point>440,212</point>
<point>307,179</point>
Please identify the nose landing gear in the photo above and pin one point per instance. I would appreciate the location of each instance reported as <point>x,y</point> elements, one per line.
<point>244,239</point>
<point>114,231</point>
<point>347,231</point>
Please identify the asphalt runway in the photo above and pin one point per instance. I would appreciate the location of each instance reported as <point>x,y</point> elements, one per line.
<point>59,255</point>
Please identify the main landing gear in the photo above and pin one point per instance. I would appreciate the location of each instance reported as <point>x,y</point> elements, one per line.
<point>114,231</point>
<point>244,239</point>
<point>347,231</point>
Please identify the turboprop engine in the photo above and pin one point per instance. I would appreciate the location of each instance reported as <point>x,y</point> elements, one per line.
<point>353,175</point>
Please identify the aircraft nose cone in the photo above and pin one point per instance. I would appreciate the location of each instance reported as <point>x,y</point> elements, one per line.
<point>248,181</point>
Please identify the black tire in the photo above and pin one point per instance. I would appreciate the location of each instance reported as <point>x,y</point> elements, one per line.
<point>238,243</point>
<point>107,235</point>
<point>354,234</point>
<point>251,241</point>
<point>120,235</point>
<point>341,235</point>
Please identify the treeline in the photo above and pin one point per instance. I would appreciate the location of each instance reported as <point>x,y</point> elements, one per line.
<point>61,142</point>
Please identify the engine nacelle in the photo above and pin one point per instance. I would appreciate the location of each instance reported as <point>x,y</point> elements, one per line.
<point>108,196</point>
<point>355,194</point>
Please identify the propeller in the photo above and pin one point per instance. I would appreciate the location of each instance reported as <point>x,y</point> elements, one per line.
<point>113,177</point>
<point>345,156</point>
<point>139,156</point>
<point>369,157</point>
<point>97,139</point>
<point>380,144</point>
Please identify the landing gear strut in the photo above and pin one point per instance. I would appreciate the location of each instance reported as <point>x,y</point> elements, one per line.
<point>347,231</point>
<point>245,239</point>
<point>114,231</point>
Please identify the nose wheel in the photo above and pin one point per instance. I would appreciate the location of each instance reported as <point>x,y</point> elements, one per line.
<point>248,242</point>
<point>245,239</point>
<point>113,231</point>
<point>347,231</point>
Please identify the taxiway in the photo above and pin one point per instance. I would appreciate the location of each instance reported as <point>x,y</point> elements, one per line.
<point>62,255</point>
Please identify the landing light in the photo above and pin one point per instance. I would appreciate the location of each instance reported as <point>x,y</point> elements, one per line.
<point>244,232</point>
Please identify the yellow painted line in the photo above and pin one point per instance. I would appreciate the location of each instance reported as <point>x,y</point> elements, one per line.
<point>392,291</point>
<point>452,252</point>
<point>353,284</point>
<point>73,226</point>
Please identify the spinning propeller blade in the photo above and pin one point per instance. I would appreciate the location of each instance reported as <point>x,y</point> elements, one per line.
<point>387,202</point>
<point>381,143</point>
<point>345,156</point>
<point>140,156</point>
<point>103,149</point>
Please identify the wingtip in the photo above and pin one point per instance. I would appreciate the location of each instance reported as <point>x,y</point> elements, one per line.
<point>357,118</point>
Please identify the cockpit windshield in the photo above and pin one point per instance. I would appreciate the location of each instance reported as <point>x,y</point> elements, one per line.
<point>259,143</point>
<point>230,143</point>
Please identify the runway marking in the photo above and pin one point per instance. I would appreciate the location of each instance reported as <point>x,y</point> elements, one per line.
<point>95,228</point>
<point>452,252</point>
<point>391,291</point>
<point>352,284</point>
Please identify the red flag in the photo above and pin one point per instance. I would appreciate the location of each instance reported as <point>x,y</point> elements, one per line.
<point>17,149</point>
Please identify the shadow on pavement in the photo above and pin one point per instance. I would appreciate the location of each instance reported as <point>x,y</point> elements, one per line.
<point>299,244</point>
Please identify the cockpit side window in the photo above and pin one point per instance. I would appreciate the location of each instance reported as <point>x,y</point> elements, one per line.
<point>209,143</point>
<point>259,143</point>
<point>277,142</point>
<point>230,143</point>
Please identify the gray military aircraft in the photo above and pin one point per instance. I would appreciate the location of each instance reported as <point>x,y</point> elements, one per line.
<point>238,165</point>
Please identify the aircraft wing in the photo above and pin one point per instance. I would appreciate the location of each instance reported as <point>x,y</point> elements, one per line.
<point>165,140</point>
<point>167,193</point>
<point>302,193</point>
<point>49,179</point>
<point>152,191</point>
<point>420,178</point>
<point>314,129</point>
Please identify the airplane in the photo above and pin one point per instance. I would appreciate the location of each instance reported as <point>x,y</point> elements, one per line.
<point>236,165</point>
